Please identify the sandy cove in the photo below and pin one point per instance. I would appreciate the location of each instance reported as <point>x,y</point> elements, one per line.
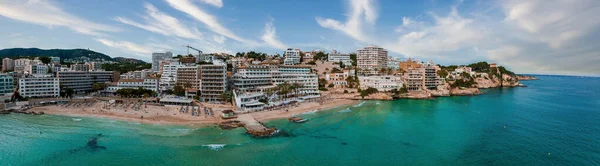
<point>171,115</point>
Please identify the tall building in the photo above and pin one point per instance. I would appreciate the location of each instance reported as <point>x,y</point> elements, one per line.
<point>335,56</point>
<point>8,64</point>
<point>157,57</point>
<point>82,81</point>
<point>414,82</point>
<point>6,84</point>
<point>39,86</point>
<point>292,56</point>
<point>431,77</point>
<point>188,76</point>
<point>393,63</point>
<point>372,58</point>
<point>213,81</point>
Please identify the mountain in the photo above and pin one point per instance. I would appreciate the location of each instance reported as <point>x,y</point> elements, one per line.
<point>62,53</point>
<point>128,60</point>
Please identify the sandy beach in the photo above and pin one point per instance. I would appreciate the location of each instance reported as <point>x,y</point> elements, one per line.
<point>151,114</point>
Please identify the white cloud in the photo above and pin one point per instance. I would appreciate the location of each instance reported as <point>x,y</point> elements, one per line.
<point>126,46</point>
<point>219,39</point>
<point>48,14</point>
<point>216,3</point>
<point>210,21</point>
<point>446,34</point>
<point>162,23</point>
<point>555,22</point>
<point>360,11</point>
<point>270,37</point>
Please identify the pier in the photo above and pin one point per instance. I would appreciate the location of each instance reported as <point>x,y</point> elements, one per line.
<point>254,127</point>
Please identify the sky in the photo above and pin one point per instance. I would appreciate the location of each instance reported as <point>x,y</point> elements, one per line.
<point>526,36</point>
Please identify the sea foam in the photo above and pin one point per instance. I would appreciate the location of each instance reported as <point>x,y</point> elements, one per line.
<point>215,147</point>
<point>345,110</point>
<point>76,119</point>
<point>359,104</point>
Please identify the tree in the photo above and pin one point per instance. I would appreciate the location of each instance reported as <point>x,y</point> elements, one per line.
<point>312,63</point>
<point>342,65</point>
<point>98,86</point>
<point>320,56</point>
<point>331,86</point>
<point>403,89</point>
<point>187,85</point>
<point>179,91</point>
<point>336,70</point>
<point>69,92</point>
<point>353,58</point>
<point>442,73</point>
<point>45,59</point>
<point>367,92</point>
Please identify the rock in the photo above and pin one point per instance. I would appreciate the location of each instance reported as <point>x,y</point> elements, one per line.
<point>526,78</point>
<point>465,91</point>
<point>231,124</point>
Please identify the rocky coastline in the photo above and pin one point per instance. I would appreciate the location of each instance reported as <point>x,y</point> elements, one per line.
<point>526,78</point>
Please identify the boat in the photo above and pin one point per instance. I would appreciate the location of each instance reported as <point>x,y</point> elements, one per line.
<point>297,120</point>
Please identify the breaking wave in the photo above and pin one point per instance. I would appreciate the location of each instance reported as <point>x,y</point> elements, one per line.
<point>76,119</point>
<point>359,104</point>
<point>345,110</point>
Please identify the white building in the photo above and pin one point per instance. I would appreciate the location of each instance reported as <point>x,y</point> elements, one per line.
<point>168,75</point>
<point>55,60</point>
<point>146,83</point>
<point>39,86</point>
<point>335,56</point>
<point>381,83</point>
<point>372,58</point>
<point>157,57</point>
<point>339,79</point>
<point>292,56</point>
<point>252,81</point>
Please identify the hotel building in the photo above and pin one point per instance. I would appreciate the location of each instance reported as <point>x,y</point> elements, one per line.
<point>371,59</point>
<point>8,64</point>
<point>82,81</point>
<point>39,86</point>
<point>6,84</point>
<point>157,57</point>
<point>214,81</point>
<point>146,83</point>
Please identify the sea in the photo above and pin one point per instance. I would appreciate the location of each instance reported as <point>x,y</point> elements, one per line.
<point>552,121</point>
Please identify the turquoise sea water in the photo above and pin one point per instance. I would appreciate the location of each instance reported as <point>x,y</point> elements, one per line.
<point>553,121</point>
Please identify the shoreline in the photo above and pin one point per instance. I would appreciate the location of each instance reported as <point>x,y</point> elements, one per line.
<point>173,117</point>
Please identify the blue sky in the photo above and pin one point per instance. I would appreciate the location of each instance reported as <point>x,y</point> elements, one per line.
<point>527,36</point>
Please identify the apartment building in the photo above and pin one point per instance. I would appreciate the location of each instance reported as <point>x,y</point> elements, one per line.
<point>146,83</point>
<point>393,63</point>
<point>414,81</point>
<point>188,76</point>
<point>381,83</point>
<point>335,56</point>
<point>214,81</point>
<point>6,84</point>
<point>82,81</point>
<point>431,80</point>
<point>371,59</point>
<point>339,79</point>
<point>157,57</point>
<point>39,86</point>
<point>21,64</point>
<point>8,64</point>
<point>292,56</point>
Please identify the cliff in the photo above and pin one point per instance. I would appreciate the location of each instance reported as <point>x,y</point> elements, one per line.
<point>493,81</point>
<point>464,91</point>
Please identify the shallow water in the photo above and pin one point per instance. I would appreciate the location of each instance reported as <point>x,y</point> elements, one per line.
<point>553,121</point>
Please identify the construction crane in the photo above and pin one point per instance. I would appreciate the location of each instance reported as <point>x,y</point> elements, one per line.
<point>190,47</point>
